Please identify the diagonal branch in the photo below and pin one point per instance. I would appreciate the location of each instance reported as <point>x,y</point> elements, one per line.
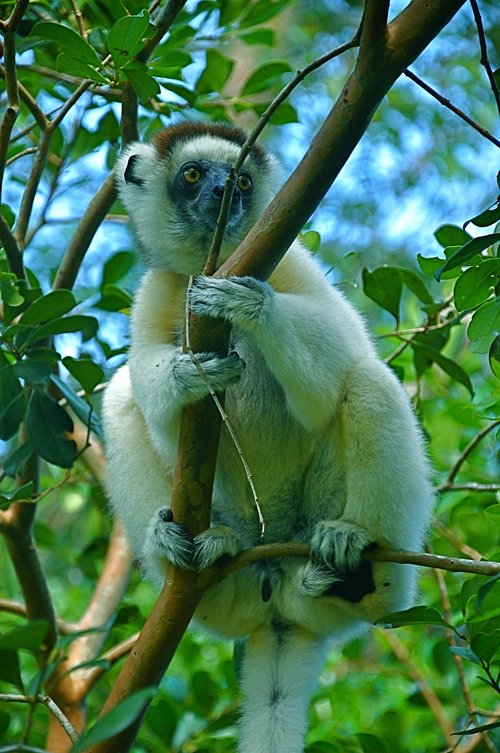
<point>447,103</point>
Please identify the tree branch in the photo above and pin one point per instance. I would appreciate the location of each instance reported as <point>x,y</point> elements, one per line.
<point>447,103</point>
<point>484,52</point>
<point>468,449</point>
<point>270,551</point>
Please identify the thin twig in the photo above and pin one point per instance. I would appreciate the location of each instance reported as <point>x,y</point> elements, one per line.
<point>484,60</point>
<point>51,705</point>
<point>79,19</point>
<point>446,102</point>
<point>460,546</point>
<point>252,138</point>
<point>469,448</point>
<point>270,551</point>
<point>470,487</point>
<point>24,153</point>
<point>223,415</point>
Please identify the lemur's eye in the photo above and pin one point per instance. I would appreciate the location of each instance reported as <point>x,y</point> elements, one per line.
<point>192,174</point>
<point>245,183</point>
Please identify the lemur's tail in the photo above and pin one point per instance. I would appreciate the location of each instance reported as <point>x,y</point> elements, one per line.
<point>279,673</point>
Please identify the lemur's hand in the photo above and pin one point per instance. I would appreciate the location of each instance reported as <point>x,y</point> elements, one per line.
<point>239,300</point>
<point>220,371</point>
<point>171,541</point>
<point>336,567</point>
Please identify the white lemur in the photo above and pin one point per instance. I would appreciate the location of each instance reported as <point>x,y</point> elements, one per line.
<point>326,428</point>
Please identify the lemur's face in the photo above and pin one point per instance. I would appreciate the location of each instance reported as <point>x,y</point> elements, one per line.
<point>172,189</point>
<point>197,191</point>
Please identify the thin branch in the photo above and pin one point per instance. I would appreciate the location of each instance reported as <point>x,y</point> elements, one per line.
<point>12,252</point>
<point>19,155</point>
<point>46,701</point>
<point>470,487</point>
<point>16,524</point>
<point>270,551</point>
<point>484,60</point>
<point>264,119</point>
<point>32,184</point>
<point>447,103</point>
<point>79,19</point>
<point>163,22</point>
<point>469,448</point>
<point>15,607</point>
<point>460,546</point>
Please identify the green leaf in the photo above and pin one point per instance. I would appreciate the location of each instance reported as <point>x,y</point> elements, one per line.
<point>23,493</point>
<point>10,670</point>
<point>452,368</point>
<point>451,235</point>
<point>493,513</point>
<point>9,290</point>
<point>371,744</point>
<point>82,409</point>
<point>494,357</point>
<point>47,423</point>
<point>87,325</point>
<point>384,286</point>
<point>476,284</point>
<point>264,76</point>
<point>488,217</point>
<point>116,720</point>
<point>16,459</point>
<point>430,265</point>
<point>414,283</point>
<point>475,730</point>
<point>466,252</point>
<point>415,616</point>
<point>311,240</point>
<point>167,57</point>
<point>49,307</point>
<point>259,36</point>
<point>262,11</point>
<point>71,42</point>
<point>216,73</point>
<point>484,325</point>
<point>114,299</point>
<point>12,399</point>
<point>67,64</point>
<point>125,37</point>
<point>465,653</point>
<point>143,84</point>
<point>486,645</point>
<point>33,370</point>
<point>88,373</point>
<point>29,636</point>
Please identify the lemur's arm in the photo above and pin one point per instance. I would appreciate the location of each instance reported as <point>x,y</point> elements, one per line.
<point>309,339</point>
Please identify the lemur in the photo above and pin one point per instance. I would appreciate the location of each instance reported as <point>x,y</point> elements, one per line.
<point>329,434</point>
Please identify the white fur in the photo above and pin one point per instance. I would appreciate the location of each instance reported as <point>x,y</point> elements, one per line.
<point>327,430</point>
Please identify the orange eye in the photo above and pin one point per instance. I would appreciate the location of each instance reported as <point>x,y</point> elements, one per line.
<point>192,174</point>
<point>245,183</point>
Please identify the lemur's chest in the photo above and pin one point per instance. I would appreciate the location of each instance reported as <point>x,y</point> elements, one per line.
<point>293,470</point>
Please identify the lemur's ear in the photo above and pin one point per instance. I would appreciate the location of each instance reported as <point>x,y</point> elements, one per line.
<point>129,171</point>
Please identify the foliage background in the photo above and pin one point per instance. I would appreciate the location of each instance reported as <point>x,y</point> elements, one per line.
<point>418,167</point>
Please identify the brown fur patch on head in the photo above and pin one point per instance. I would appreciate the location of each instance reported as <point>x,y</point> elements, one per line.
<point>166,139</point>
